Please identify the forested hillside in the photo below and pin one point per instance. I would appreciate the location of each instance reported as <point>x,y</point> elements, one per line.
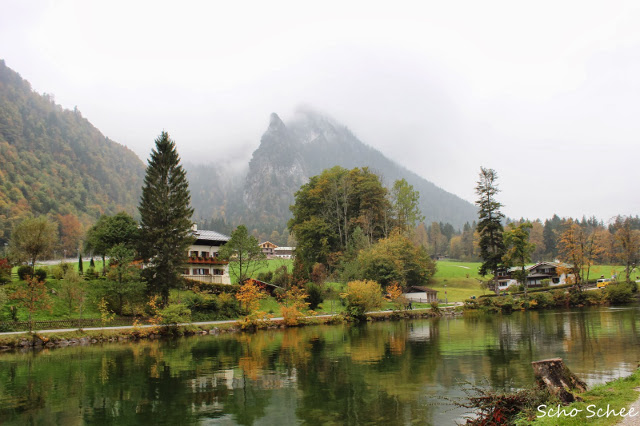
<point>55,162</point>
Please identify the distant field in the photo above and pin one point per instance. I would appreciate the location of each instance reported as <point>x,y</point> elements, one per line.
<point>453,269</point>
<point>608,271</point>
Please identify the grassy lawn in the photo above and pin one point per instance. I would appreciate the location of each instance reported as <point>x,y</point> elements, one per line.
<point>608,271</point>
<point>617,394</point>
<point>454,269</point>
<point>461,280</point>
<point>457,290</point>
<point>271,265</point>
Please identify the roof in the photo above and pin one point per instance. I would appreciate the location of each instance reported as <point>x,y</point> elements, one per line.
<point>417,289</point>
<point>202,234</point>
<point>530,267</point>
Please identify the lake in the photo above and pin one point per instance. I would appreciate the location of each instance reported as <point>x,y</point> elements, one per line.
<point>400,372</point>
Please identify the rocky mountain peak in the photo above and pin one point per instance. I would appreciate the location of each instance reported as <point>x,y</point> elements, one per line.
<point>275,124</point>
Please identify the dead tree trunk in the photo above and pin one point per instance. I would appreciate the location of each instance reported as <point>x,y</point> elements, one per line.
<point>555,376</point>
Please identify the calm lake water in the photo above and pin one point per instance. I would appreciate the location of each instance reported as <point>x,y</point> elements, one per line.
<point>382,373</point>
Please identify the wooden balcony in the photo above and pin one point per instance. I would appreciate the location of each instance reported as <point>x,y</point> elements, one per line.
<point>209,279</point>
<point>206,261</point>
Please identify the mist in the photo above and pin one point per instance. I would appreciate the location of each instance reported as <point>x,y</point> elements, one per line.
<point>545,94</point>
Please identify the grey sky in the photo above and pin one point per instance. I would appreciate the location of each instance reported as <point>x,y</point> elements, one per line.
<point>547,93</point>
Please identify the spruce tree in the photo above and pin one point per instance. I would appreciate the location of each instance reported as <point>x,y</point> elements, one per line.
<point>165,219</point>
<point>490,224</point>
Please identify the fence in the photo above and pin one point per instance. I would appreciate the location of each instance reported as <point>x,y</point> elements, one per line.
<point>68,323</point>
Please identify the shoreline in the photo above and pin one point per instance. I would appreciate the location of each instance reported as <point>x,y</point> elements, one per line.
<point>39,339</point>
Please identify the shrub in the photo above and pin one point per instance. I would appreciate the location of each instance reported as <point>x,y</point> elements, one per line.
<point>505,304</point>
<point>435,307</point>
<point>249,297</point>
<point>560,298</point>
<point>471,304</point>
<point>282,277</point>
<point>5,271</point>
<point>295,304</point>
<point>279,293</point>
<point>60,270</point>
<point>362,296</point>
<point>319,273</point>
<point>618,294</point>
<point>41,274</point>
<point>266,277</point>
<point>91,273</point>
<point>175,314</point>
<point>228,306</point>
<point>314,295</point>
<point>212,288</point>
<point>486,302</point>
<point>543,300</point>
<point>577,297</point>
<point>201,302</point>
<point>24,271</point>
<point>596,297</point>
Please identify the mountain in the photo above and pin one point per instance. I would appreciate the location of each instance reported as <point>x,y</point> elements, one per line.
<point>290,153</point>
<point>56,162</point>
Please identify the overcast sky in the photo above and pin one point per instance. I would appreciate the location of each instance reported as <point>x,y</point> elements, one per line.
<point>547,93</point>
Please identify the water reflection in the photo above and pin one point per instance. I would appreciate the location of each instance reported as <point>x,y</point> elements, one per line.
<point>381,373</point>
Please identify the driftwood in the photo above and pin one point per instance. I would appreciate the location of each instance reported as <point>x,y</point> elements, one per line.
<point>555,376</point>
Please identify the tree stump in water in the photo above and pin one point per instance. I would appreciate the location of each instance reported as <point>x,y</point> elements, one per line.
<point>555,376</point>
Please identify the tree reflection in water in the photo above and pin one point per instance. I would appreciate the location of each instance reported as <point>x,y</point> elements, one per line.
<point>381,373</point>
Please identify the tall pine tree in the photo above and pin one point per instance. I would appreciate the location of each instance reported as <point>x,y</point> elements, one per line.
<point>490,224</point>
<point>165,218</point>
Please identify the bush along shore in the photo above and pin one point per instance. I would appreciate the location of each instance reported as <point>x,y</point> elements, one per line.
<point>565,297</point>
<point>56,339</point>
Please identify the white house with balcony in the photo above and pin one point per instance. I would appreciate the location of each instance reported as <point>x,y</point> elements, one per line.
<point>555,273</point>
<point>203,263</point>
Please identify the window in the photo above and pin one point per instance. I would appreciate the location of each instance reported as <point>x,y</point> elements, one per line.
<point>205,254</point>
<point>193,254</point>
<point>186,272</point>
<point>201,271</point>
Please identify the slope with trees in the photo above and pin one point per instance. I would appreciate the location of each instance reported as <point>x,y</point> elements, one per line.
<point>55,162</point>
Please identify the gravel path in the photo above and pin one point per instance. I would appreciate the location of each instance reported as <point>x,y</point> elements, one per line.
<point>125,327</point>
<point>632,421</point>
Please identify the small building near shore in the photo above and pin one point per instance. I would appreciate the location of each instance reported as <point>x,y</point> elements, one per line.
<point>421,294</point>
